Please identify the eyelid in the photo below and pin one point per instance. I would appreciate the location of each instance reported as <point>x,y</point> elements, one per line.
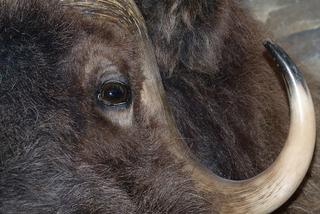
<point>112,73</point>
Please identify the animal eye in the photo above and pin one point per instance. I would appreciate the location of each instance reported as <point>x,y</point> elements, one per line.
<point>114,93</point>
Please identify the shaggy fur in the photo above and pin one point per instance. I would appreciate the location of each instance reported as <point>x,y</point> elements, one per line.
<point>59,155</point>
<point>211,58</point>
<point>228,102</point>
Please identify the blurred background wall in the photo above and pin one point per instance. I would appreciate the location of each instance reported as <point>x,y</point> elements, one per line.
<point>295,24</point>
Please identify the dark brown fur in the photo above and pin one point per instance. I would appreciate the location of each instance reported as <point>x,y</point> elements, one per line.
<point>211,57</point>
<point>58,154</point>
<point>217,75</point>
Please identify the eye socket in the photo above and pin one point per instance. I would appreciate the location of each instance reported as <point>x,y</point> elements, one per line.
<point>115,93</point>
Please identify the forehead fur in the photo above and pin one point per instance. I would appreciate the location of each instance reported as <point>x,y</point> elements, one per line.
<point>39,39</point>
<point>35,23</point>
<point>35,36</point>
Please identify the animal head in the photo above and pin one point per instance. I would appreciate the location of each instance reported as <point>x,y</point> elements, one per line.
<point>85,126</point>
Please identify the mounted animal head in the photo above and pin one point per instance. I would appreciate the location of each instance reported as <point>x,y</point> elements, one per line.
<point>85,126</point>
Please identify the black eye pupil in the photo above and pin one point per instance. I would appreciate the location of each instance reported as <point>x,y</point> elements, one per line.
<point>114,93</point>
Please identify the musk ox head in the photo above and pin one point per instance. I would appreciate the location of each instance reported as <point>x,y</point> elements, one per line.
<point>85,127</point>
